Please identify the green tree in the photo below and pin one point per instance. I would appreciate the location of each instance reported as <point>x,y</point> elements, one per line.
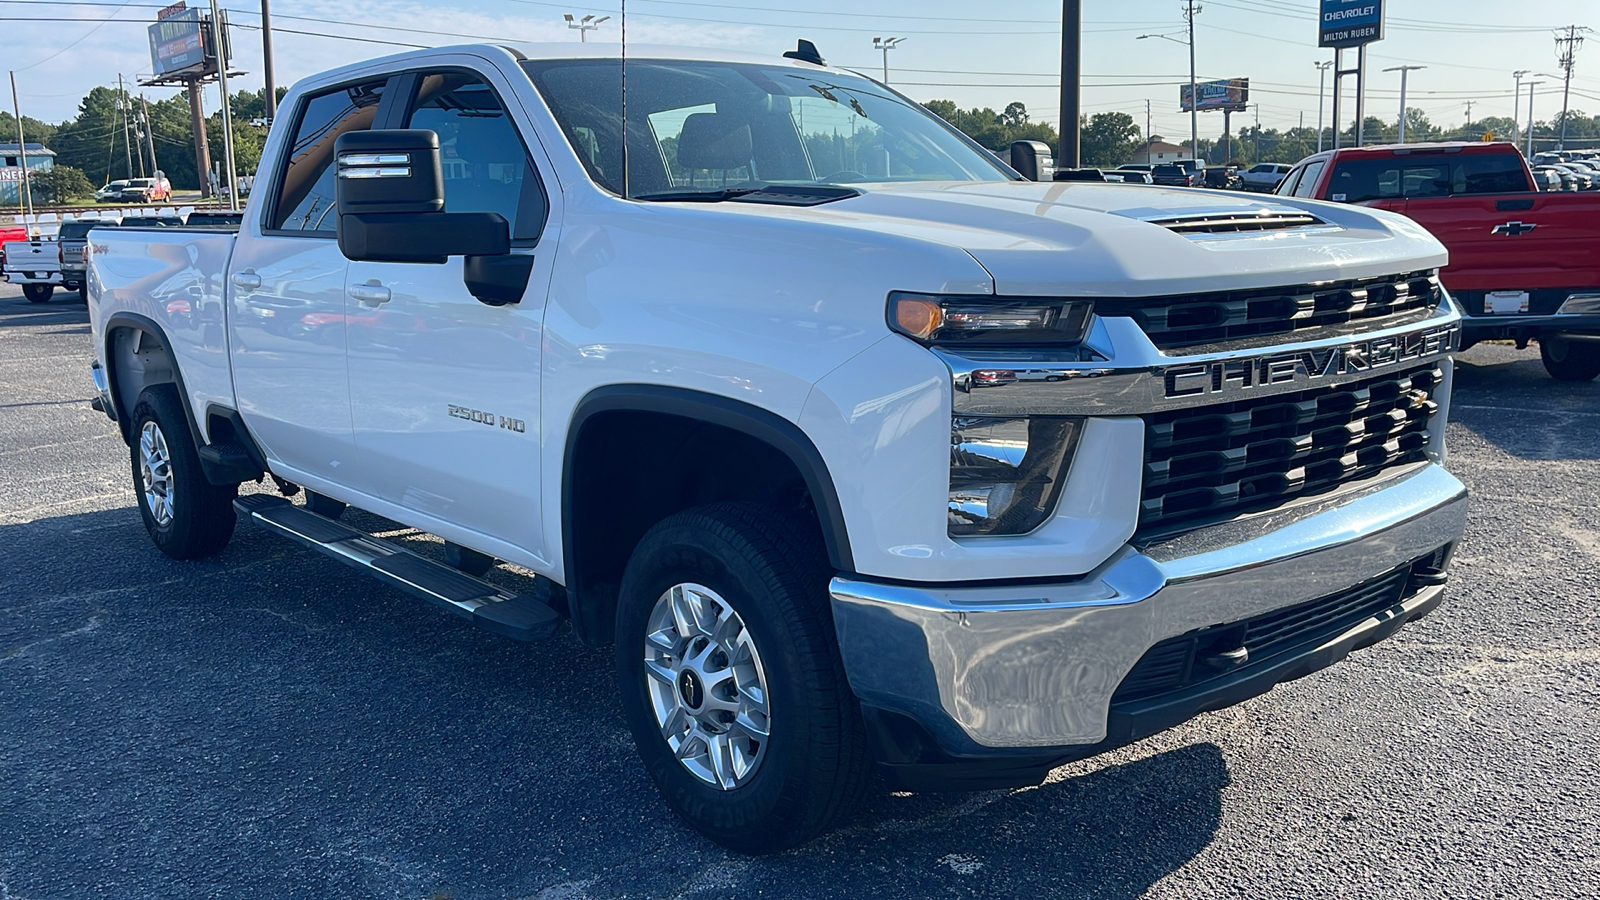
<point>33,130</point>
<point>1107,139</point>
<point>63,184</point>
<point>995,130</point>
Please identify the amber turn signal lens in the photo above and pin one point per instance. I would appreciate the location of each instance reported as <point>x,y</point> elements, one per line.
<point>918,317</point>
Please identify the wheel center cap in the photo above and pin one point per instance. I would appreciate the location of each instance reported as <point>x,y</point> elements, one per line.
<point>690,690</point>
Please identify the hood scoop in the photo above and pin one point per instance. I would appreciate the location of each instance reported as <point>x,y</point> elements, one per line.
<point>1200,223</point>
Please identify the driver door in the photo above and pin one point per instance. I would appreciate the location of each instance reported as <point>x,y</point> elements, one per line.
<point>444,388</point>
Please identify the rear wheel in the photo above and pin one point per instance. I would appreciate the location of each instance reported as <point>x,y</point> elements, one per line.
<point>1568,360</point>
<point>731,681</point>
<point>38,293</point>
<point>186,515</point>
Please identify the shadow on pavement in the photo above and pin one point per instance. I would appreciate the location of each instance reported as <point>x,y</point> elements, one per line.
<point>1505,396</point>
<point>63,309</point>
<point>268,722</point>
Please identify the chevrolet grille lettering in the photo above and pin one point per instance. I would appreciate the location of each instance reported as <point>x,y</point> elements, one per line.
<point>1233,376</point>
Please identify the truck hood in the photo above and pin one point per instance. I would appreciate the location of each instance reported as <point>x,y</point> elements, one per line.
<point>1111,240</point>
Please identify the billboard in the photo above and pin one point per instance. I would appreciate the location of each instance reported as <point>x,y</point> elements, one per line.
<point>1233,94</point>
<point>1349,23</point>
<point>176,44</point>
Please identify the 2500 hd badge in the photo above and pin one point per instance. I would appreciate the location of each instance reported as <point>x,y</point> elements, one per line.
<point>1230,375</point>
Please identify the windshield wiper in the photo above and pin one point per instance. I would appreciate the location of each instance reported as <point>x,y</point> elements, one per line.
<point>716,195</point>
<point>777,194</point>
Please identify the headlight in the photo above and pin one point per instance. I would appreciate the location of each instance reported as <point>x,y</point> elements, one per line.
<point>931,319</point>
<point>1006,473</point>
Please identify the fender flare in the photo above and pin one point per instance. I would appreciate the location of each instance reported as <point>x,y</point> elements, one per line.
<point>137,322</point>
<point>760,424</point>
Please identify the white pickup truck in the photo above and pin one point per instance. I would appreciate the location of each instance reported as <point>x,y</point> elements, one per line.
<point>36,265</point>
<point>861,450</point>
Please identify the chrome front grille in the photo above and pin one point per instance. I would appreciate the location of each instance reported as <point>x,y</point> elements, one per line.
<point>1207,463</point>
<point>1185,321</point>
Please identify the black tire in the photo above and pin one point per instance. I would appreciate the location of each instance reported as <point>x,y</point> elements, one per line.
<point>38,293</point>
<point>199,518</point>
<point>1570,360</point>
<point>323,505</point>
<point>770,568</point>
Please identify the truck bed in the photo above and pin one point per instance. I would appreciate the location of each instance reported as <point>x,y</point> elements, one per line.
<point>174,277</point>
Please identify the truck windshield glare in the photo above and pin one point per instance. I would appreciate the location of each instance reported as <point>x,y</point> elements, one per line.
<point>710,126</point>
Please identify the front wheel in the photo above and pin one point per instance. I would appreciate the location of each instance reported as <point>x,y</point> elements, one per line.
<point>731,681</point>
<point>1568,360</point>
<point>186,515</point>
<point>38,293</point>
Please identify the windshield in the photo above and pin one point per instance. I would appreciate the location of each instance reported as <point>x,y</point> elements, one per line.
<point>711,127</point>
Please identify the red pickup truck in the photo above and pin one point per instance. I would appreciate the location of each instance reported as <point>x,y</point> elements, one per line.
<point>1524,265</point>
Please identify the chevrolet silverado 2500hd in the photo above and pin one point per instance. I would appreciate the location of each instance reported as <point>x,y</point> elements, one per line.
<point>858,448</point>
<point>1524,264</point>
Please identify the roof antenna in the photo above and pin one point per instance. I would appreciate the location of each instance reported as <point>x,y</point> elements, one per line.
<point>805,51</point>
<point>625,194</point>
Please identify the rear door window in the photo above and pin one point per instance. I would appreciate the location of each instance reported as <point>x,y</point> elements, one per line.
<point>1308,179</point>
<point>306,189</point>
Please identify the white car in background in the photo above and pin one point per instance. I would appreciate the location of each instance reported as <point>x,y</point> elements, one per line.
<point>1264,178</point>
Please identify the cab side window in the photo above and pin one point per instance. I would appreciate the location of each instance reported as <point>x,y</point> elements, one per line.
<point>485,165</point>
<point>1308,179</point>
<point>306,189</point>
<point>1286,187</point>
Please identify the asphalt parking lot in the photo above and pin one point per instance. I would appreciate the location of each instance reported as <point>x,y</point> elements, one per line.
<point>268,723</point>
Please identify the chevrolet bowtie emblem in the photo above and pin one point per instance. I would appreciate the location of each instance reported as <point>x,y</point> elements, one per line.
<point>1512,229</point>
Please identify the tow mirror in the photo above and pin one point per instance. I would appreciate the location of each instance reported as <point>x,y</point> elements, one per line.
<point>389,196</point>
<point>1032,160</point>
<point>390,199</point>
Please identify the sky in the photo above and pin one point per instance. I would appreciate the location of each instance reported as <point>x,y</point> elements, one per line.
<point>1470,48</point>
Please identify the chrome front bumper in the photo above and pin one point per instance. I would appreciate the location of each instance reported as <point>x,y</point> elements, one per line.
<point>993,669</point>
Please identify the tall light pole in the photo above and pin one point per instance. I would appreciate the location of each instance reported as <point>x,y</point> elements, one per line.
<point>271,95</point>
<point>584,25</point>
<point>228,170</point>
<point>1403,70</point>
<point>886,44</point>
<point>1516,103</point>
<point>1194,112</point>
<point>1069,155</point>
<point>1531,86</point>
<point>1322,84</point>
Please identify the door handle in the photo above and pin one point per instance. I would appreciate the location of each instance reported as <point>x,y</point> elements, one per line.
<point>369,293</point>
<point>247,280</point>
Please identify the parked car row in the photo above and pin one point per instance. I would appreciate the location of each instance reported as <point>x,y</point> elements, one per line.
<point>135,190</point>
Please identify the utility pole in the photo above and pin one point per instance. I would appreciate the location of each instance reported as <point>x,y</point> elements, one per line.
<point>1258,133</point>
<point>1147,129</point>
<point>1516,103</point>
<point>584,25</point>
<point>1404,71</point>
<point>25,189</point>
<point>124,111</point>
<point>150,136</point>
<point>1194,97</point>
<point>271,96</point>
<point>1531,86</point>
<point>1566,58</point>
<point>887,44</point>
<point>1070,154</point>
<point>232,184</point>
<point>1322,80</point>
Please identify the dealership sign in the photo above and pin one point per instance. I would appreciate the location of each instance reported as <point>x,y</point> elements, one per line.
<point>1350,23</point>
<point>1232,94</point>
<point>11,173</point>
